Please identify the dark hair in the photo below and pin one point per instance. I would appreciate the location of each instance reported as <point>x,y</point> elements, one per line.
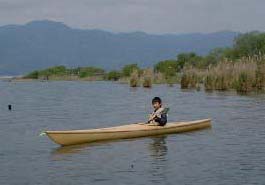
<point>156,99</point>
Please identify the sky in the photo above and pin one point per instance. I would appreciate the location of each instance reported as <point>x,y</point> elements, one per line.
<point>151,16</point>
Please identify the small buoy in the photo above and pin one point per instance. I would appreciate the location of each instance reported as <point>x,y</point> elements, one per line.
<point>9,107</point>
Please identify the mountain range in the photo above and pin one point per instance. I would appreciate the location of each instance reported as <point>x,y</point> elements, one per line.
<point>41,44</point>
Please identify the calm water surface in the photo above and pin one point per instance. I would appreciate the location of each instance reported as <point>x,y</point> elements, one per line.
<point>232,152</point>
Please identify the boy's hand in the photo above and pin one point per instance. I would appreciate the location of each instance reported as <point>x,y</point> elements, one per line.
<point>151,118</point>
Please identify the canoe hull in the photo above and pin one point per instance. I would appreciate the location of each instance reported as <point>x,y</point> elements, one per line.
<point>123,132</point>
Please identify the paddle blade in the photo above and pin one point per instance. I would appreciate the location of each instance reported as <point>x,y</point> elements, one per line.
<point>166,110</point>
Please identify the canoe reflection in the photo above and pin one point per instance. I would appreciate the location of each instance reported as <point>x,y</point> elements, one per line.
<point>69,149</point>
<point>72,149</point>
<point>158,148</point>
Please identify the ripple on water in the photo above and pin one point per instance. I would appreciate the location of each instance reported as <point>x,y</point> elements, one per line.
<point>232,152</point>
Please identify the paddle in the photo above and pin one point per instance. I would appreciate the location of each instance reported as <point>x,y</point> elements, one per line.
<point>165,111</point>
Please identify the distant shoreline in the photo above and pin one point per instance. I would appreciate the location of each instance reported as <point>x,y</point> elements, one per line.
<point>21,79</point>
<point>241,68</point>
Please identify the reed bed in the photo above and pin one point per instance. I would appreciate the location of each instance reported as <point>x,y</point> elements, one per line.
<point>159,78</point>
<point>191,78</point>
<point>244,75</point>
<point>134,78</point>
<point>147,78</point>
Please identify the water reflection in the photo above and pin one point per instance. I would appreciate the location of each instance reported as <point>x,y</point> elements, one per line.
<point>69,149</point>
<point>158,148</point>
<point>75,149</point>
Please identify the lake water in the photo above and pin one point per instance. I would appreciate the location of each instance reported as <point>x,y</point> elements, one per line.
<point>231,152</point>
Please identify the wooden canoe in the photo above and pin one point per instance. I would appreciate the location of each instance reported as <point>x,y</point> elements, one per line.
<point>72,137</point>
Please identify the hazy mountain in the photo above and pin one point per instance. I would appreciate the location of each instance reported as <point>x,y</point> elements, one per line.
<point>41,44</point>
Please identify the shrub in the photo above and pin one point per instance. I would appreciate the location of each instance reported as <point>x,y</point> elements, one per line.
<point>33,75</point>
<point>168,68</point>
<point>128,69</point>
<point>113,75</point>
<point>90,71</point>
<point>56,70</point>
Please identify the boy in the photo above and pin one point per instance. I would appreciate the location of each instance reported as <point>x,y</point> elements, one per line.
<point>159,116</point>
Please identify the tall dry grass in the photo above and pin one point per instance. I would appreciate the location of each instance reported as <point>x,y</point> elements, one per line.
<point>159,78</point>
<point>260,74</point>
<point>134,78</point>
<point>244,75</point>
<point>191,77</point>
<point>147,78</point>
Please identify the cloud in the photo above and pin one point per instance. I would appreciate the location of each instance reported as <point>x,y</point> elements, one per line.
<point>155,16</point>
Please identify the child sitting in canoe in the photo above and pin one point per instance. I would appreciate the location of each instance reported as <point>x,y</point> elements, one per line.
<point>159,116</point>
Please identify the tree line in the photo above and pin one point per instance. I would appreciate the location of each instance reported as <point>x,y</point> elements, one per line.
<point>247,48</point>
